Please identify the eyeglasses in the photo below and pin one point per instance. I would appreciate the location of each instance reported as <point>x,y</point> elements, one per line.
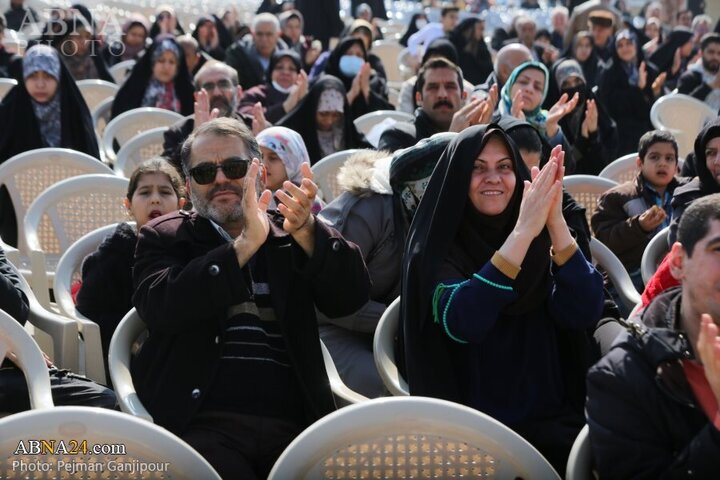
<point>233,168</point>
<point>224,85</point>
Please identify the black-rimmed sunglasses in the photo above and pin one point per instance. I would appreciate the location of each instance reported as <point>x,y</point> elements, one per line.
<point>232,168</point>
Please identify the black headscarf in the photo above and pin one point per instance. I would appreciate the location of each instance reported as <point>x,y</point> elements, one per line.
<point>333,63</point>
<point>131,92</point>
<point>664,56</point>
<point>411,29</point>
<point>224,37</point>
<point>476,66</point>
<point>448,238</point>
<point>708,183</point>
<point>20,132</point>
<point>302,118</point>
<point>279,55</point>
<point>73,24</point>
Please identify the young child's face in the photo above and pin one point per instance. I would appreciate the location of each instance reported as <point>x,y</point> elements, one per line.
<point>660,164</point>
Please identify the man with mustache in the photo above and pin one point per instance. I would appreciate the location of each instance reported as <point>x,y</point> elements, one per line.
<point>440,96</point>
<point>702,79</point>
<point>217,94</point>
<point>233,364</point>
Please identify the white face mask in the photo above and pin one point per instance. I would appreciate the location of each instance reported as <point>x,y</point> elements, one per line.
<point>280,88</point>
<point>420,23</point>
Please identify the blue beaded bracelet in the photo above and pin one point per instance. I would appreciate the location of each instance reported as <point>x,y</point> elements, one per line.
<point>492,284</point>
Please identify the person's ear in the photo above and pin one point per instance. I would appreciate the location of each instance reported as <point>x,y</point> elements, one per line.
<point>126,204</point>
<point>639,162</point>
<point>464,93</point>
<point>418,98</point>
<point>677,261</point>
<point>181,202</point>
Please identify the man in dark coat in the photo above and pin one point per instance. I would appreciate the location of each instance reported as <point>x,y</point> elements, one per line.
<point>439,91</point>
<point>251,57</point>
<point>652,403</point>
<point>233,362</point>
<point>702,80</point>
<point>7,59</point>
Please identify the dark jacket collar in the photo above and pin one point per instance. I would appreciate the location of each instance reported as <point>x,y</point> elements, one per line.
<point>424,126</point>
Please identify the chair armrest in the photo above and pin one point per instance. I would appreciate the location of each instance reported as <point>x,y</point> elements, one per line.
<point>343,394</point>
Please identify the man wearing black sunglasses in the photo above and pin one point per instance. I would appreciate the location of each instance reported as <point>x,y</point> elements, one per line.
<point>217,94</point>
<point>233,363</point>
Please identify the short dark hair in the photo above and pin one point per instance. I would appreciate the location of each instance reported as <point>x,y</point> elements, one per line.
<point>682,12</point>
<point>526,138</point>
<point>651,138</point>
<point>708,38</point>
<point>449,9</point>
<point>220,127</point>
<point>434,64</point>
<point>695,221</point>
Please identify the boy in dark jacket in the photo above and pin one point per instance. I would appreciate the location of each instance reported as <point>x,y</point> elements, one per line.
<point>629,215</point>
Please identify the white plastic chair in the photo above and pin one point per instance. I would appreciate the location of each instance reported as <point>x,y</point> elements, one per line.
<point>28,174</point>
<point>14,338</point>
<point>96,91</point>
<point>620,278</point>
<point>325,173</point>
<point>405,63</point>
<point>122,344</point>
<point>101,116</point>
<point>6,84</point>
<point>128,124</point>
<point>654,253</point>
<point>120,71</point>
<point>586,189</point>
<point>119,357</point>
<point>68,270</point>
<point>64,213</point>
<point>579,466</point>
<point>120,440</point>
<point>365,123</point>
<point>384,350</point>
<point>683,116</point>
<point>410,437</point>
<point>141,147</point>
<point>621,170</point>
<point>388,51</point>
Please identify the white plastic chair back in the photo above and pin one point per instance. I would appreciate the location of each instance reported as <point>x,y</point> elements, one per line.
<point>654,253</point>
<point>621,170</point>
<point>586,189</point>
<point>28,174</point>
<point>119,356</point>
<point>365,123</point>
<point>120,71</point>
<point>141,147</point>
<point>101,117</point>
<point>579,466</point>
<point>96,91</point>
<point>14,338</point>
<point>121,441</point>
<point>410,437</point>
<point>343,394</point>
<point>404,62</point>
<point>6,84</point>
<point>325,173</point>
<point>64,213</point>
<point>69,270</point>
<point>388,51</point>
<point>128,124</point>
<point>683,116</point>
<point>619,276</point>
<point>384,350</point>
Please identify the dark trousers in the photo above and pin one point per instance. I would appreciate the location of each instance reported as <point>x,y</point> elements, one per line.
<point>66,388</point>
<point>240,446</point>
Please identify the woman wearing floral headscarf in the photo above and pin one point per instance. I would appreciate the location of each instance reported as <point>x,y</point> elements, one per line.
<point>159,79</point>
<point>45,110</point>
<point>522,97</point>
<point>283,151</point>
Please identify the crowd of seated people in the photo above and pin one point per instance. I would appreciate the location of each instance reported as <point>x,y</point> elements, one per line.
<point>239,266</point>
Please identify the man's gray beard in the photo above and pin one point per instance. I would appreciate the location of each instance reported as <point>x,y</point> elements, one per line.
<point>205,209</point>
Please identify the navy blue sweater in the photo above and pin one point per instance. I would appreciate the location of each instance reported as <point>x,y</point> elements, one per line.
<point>511,363</point>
